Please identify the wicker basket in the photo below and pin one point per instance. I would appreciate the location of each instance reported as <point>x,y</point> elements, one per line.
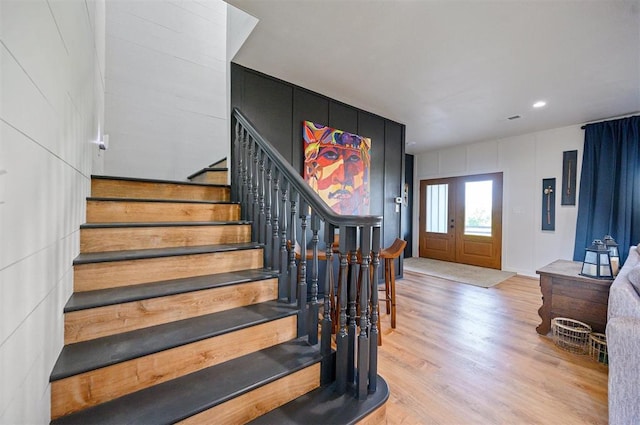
<point>571,335</point>
<point>598,348</point>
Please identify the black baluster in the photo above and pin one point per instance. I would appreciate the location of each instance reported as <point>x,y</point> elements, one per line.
<point>363,337</point>
<point>275,219</point>
<point>261,192</point>
<point>327,323</point>
<point>293,268</point>
<point>302,270</point>
<point>268,240</point>
<point>256,196</point>
<point>241,172</point>
<point>235,188</point>
<point>249,185</point>
<point>314,307</point>
<point>347,238</point>
<point>283,288</point>
<point>373,342</point>
<point>352,288</point>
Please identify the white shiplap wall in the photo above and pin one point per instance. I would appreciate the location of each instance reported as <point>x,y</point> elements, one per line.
<point>166,100</point>
<point>51,110</point>
<point>525,160</point>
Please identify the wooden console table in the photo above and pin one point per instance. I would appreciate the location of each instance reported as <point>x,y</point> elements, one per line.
<point>565,293</point>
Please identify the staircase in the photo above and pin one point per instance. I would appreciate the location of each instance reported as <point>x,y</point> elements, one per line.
<point>175,317</point>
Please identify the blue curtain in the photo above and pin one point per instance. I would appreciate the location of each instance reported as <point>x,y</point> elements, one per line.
<point>609,197</point>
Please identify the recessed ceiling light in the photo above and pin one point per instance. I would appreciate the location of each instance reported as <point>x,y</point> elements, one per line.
<point>539,104</point>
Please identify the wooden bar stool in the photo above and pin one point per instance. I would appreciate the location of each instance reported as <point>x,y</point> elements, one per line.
<point>389,255</point>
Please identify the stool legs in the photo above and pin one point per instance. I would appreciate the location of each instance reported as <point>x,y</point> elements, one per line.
<point>387,290</point>
<point>390,289</point>
<point>392,284</point>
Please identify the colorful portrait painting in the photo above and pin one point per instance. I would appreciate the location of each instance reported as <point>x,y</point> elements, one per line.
<point>336,166</point>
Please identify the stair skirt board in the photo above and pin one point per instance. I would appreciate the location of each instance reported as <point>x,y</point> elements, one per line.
<point>255,403</point>
<point>113,187</point>
<point>111,274</point>
<point>101,239</point>
<point>87,324</point>
<point>223,163</point>
<point>107,383</point>
<point>210,176</point>
<point>136,211</point>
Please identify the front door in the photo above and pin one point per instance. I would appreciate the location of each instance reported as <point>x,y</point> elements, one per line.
<point>461,219</point>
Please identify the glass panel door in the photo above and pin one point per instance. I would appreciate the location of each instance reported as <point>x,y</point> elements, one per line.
<point>477,207</point>
<point>437,214</point>
<point>437,208</point>
<point>461,219</point>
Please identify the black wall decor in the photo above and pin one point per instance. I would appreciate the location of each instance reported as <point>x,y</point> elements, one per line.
<point>549,204</point>
<point>278,108</point>
<point>569,171</point>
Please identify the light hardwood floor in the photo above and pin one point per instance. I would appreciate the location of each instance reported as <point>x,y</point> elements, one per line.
<point>467,355</point>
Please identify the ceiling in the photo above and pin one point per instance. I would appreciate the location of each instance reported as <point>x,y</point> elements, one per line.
<point>453,71</point>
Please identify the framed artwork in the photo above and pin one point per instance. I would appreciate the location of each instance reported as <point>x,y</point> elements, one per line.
<point>549,204</point>
<point>336,166</point>
<point>569,171</point>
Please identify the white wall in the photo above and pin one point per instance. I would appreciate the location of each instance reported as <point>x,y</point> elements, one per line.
<point>239,26</point>
<point>51,107</point>
<point>525,160</point>
<point>166,100</point>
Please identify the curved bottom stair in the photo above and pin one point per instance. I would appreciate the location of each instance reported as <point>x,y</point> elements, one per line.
<point>323,406</point>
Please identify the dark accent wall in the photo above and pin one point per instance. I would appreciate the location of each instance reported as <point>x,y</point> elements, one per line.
<point>278,108</point>
<point>407,212</point>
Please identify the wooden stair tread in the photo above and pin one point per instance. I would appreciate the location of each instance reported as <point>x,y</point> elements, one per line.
<point>103,297</point>
<point>159,181</point>
<point>94,354</point>
<point>162,224</point>
<point>164,201</point>
<point>323,406</point>
<point>139,254</point>
<point>188,395</point>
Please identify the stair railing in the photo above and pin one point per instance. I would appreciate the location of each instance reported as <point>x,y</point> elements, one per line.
<point>282,207</point>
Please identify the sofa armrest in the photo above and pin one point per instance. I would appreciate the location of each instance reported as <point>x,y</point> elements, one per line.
<point>623,347</point>
<point>624,301</point>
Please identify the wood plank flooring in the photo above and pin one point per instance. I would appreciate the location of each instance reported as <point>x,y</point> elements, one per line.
<point>467,355</point>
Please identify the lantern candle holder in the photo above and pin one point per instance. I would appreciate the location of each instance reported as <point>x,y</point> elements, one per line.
<point>614,255</point>
<point>597,263</point>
